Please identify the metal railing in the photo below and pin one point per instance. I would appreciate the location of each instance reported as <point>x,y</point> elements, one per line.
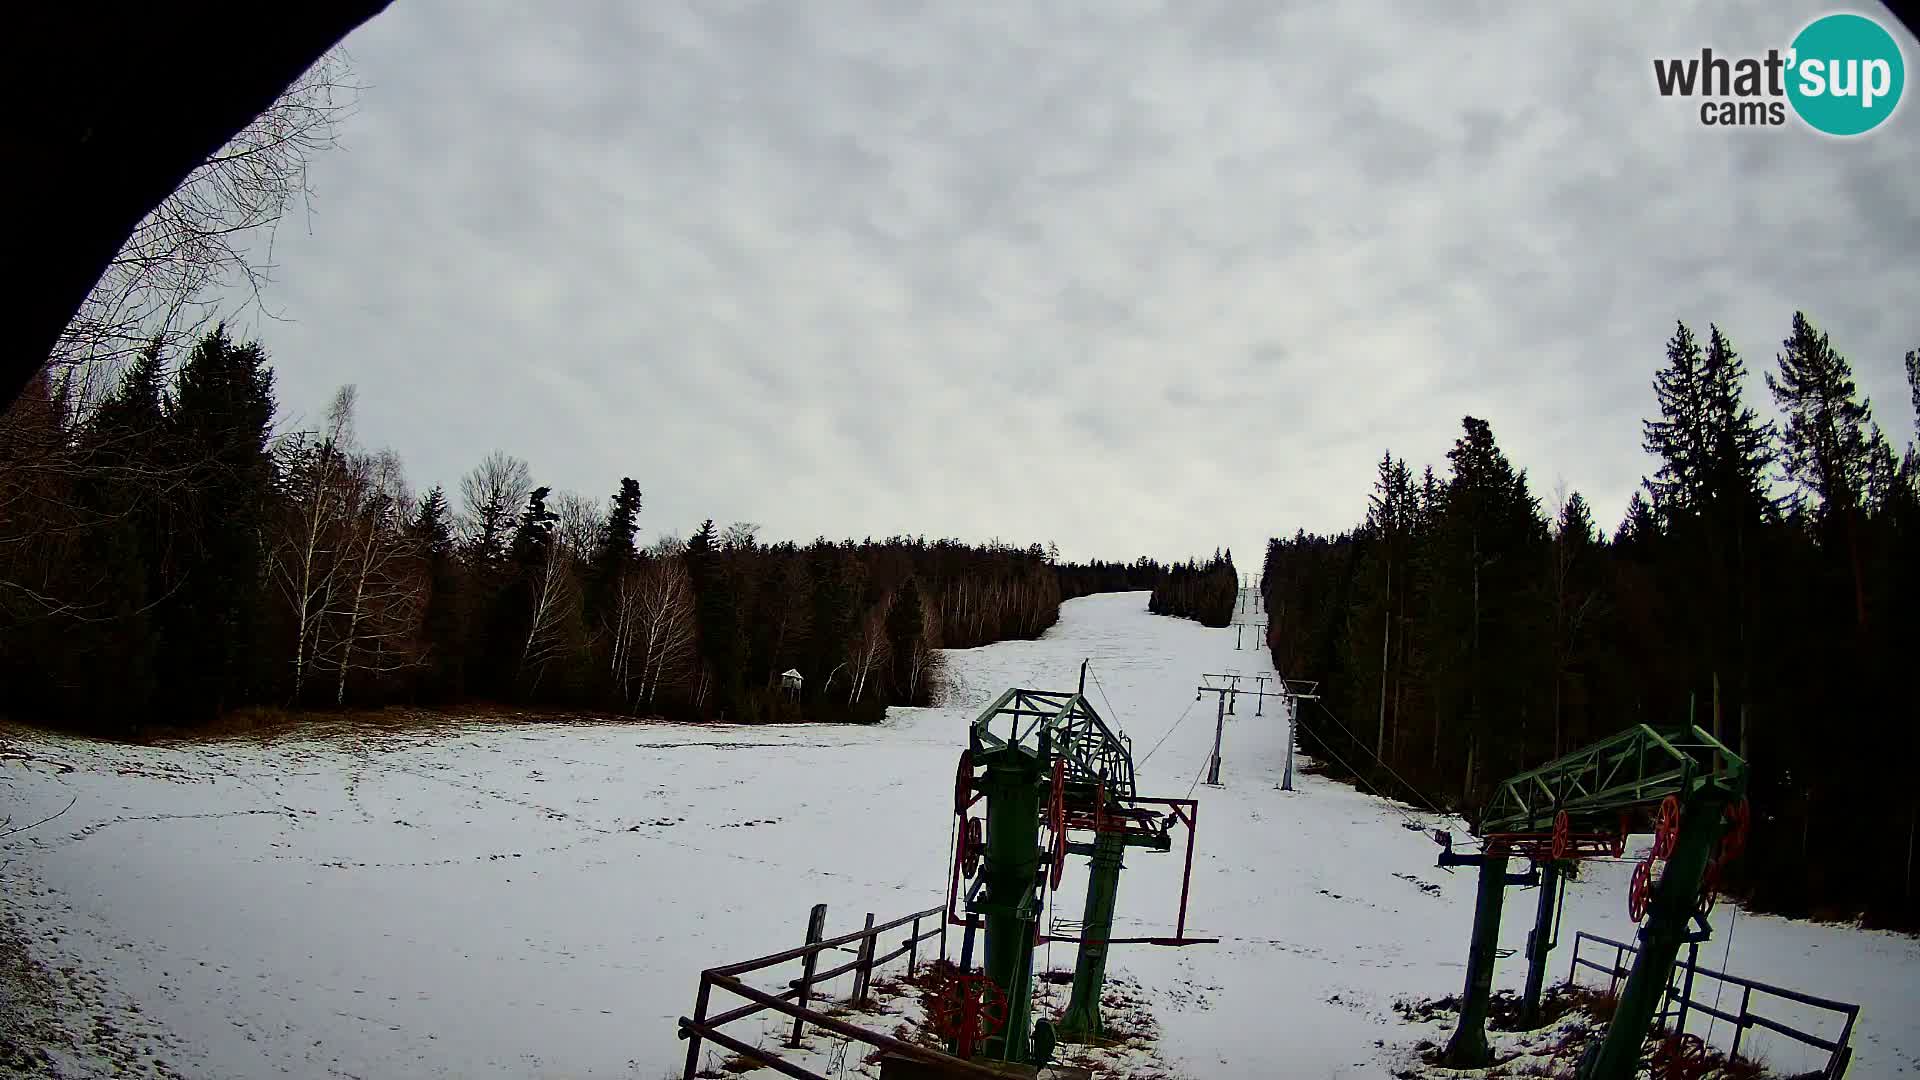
<point>866,941</point>
<point>1679,1002</point>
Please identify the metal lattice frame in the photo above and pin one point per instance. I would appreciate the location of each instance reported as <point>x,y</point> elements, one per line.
<point>1536,813</point>
<point>1636,767</point>
<point>1050,759</point>
<point>1094,754</point>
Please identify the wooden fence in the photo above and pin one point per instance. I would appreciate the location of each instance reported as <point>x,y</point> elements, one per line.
<point>1680,1001</point>
<point>793,1001</point>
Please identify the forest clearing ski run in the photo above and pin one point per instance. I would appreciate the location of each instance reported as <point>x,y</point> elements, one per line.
<point>538,900</point>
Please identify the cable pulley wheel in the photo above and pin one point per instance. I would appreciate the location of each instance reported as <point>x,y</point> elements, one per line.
<point>1739,820</point>
<point>1666,828</point>
<point>1640,890</point>
<point>972,844</point>
<point>1057,821</point>
<point>963,784</point>
<point>1709,889</point>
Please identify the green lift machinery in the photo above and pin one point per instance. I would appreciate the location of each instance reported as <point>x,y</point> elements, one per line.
<point>1056,782</point>
<point>1688,787</point>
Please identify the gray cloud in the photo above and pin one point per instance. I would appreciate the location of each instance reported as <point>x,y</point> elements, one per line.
<point>1135,277</point>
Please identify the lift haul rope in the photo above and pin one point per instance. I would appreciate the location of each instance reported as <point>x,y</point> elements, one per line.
<point>1361,779</point>
<point>1733,920</point>
<point>1195,786</point>
<point>1170,731</point>
<point>1111,711</point>
<point>1356,739</point>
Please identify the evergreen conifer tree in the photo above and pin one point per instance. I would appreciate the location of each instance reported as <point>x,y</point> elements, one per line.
<point>217,434</point>
<point>613,552</point>
<point>443,623</point>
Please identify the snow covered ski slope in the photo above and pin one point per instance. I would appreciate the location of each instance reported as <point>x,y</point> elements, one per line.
<point>537,901</point>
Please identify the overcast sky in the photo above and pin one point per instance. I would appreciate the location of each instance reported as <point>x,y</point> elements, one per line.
<point>1133,277</point>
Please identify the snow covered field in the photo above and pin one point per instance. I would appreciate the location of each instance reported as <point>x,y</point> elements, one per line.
<point>537,901</point>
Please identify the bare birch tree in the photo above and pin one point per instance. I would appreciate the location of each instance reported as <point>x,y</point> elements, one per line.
<point>380,590</point>
<point>491,496</point>
<point>662,621</point>
<point>215,230</point>
<point>577,522</point>
<point>925,664</point>
<point>556,599</point>
<point>305,557</point>
<point>868,650</point>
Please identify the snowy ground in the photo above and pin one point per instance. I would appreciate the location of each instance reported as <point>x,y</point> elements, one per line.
<point>537,901</point>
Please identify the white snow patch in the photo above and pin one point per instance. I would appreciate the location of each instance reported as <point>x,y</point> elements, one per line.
<point>538,900</point>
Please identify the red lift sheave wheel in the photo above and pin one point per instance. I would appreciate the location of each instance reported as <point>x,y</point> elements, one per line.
<point>1057,823</point>
<point>963,784</point>
<point>1679,1055</point>
<point>1640,890</point>
<point>1709,889</point>
<point>968,1009</point>
<point>973,843</point>
<point>1739,820</point>
<point>1666,828</point>
<point>1562,835</point>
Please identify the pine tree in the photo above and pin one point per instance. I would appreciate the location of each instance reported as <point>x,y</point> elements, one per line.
<point>1712,566</point>
<point>120,497</point>
<point>535,530</point>
<point>217,433</point>
<point>835,595</point>
<point>1913,385</point>
<point>508,594</point>
<point>1382,585</point>
<point>1575,590</point>
<point>1739,446</point>
<point>1828,440</point>
<point>129,466</point>
<point>1639,527</point>
<point>1490,535</point>
<point>613,551</point>
<point>1828,445</point>
<point>718,621</point>
<point>790,619</point>
<point>1910,464</point>
<point>1679,438</point>
<point>133,414</point>
<point>444,623</point>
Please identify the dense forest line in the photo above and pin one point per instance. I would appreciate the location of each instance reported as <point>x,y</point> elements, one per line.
<point>1085,579</point>
<point>167,557</point>
<point>1764,583</point>
<point>1204,592</point>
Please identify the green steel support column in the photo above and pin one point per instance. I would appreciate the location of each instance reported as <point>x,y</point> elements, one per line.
<point>1012,785</point>
<point>1674,901</point>
<point>1539,943</point>
<point>1082,1020</point>
<point>1469,1049</point>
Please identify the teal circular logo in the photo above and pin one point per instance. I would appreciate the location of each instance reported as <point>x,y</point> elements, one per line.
<point>1845,74</point>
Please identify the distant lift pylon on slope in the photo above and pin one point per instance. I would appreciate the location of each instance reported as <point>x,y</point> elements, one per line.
<point>1046,765</point>
<point>1582,806</point>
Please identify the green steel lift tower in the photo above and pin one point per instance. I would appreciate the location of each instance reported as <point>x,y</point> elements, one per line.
<point>1582,806</point>
<point>1049,770</point>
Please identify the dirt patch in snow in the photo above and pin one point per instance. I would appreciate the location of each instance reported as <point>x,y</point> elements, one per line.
<point>55,1022</point>
<point>1573,1020</point>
